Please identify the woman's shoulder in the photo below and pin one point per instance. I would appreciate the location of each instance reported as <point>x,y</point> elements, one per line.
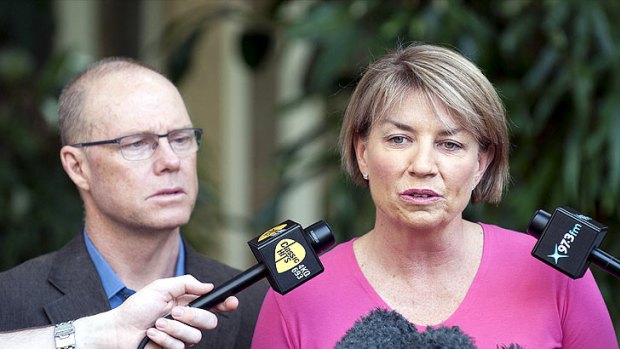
<point>338,262</point>
<point>340,279</point>
<point>488,227</point>
<point>499,234</point>
<point>340,269</point>
<point>502,245</point>
<point>341,252</point>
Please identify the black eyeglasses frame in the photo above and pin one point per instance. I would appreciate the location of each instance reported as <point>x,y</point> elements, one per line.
<point>197,132</point>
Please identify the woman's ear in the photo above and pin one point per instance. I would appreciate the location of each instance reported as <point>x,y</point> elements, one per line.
<point>360,155</point>
<point>484,160</point>
<point>75,165</point>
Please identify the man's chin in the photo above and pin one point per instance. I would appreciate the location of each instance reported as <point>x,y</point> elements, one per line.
<point>170,222</point>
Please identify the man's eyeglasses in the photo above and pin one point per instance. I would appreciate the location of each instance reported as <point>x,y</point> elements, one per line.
<point>184,141</point>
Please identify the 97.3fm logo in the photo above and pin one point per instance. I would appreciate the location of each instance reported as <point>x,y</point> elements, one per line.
<point>561,249</point>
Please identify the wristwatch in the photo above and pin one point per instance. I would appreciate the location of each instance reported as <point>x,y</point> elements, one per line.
<point>64,335</point>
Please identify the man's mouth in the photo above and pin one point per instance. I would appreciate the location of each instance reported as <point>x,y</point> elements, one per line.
<point>168,193</point>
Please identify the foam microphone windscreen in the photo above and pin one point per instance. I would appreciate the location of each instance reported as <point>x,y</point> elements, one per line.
<point>383,328</point>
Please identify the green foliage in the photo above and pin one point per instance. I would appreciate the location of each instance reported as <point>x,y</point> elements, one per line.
<point>39,207</point>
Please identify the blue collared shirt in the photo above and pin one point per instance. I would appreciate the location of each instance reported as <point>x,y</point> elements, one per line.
<point>114,288</point>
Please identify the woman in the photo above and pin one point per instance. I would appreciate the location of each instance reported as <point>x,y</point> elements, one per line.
<point>426,132</point>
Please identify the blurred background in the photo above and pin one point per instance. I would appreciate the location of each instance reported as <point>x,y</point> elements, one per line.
<point>269,81</point>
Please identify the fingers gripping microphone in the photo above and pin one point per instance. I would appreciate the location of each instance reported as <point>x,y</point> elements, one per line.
<point>568,241</point>
<point>287,255</point>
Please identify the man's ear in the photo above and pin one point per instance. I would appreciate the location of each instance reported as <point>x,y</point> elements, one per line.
<point>75,165</point>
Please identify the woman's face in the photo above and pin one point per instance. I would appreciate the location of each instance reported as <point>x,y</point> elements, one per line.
<point>421,166</point>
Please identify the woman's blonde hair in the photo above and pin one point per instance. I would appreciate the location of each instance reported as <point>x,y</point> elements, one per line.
<point>441,75</point>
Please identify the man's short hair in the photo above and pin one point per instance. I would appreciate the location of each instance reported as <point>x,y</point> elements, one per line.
<point>74,127</point>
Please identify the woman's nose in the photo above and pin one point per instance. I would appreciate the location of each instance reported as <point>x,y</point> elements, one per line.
<point>423,160</point>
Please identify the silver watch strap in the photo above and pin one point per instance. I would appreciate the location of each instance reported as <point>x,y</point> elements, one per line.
<point>64,335</point>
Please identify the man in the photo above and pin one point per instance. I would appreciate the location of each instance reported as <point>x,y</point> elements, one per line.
<point>130,148</point>
<point>124,326</point>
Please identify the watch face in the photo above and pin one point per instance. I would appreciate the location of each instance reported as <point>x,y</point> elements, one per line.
<point>64,335</point>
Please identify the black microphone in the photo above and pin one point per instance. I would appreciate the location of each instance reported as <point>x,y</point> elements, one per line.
<point>568,241</point>
<point>383,328</point>
<point>287,255</point>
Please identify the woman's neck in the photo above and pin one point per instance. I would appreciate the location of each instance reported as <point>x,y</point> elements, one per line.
<point>400,249</point>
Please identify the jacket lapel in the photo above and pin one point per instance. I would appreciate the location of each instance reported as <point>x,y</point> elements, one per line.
<point>228,325</point>
<point>75,276</point>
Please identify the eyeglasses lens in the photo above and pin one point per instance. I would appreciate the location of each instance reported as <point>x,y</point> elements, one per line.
<point>141,147</point>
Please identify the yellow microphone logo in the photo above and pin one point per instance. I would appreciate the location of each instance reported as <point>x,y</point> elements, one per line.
<point>288,254</point>
<point>271,232</point>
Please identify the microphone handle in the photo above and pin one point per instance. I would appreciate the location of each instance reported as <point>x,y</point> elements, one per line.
<point>235,285</point>
<point>220,293</point>
<point>606,262</point>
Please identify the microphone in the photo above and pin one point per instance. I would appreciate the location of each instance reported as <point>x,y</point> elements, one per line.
<point>287,255</point>
<point>568,241</point>
<point>383,328</point>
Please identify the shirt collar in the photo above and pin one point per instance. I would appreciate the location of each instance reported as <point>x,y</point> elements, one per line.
<point>111,283</point>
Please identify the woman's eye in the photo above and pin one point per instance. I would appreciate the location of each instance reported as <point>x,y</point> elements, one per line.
<point>398,139</point>
<point>451,145</point>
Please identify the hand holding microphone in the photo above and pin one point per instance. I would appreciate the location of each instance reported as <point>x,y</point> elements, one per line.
<point>568,241</point>
<point>287,255</point>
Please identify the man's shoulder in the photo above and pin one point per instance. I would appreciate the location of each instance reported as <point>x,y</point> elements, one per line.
<point>239,324</point>
<point>24,289</point>
<point>72,252</point>
<point>200,265</point>
<point>31,270</point>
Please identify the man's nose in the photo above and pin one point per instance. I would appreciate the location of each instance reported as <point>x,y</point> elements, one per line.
<point>165,156</point>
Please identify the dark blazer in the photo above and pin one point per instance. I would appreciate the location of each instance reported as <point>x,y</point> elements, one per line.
<point>64,285</point>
